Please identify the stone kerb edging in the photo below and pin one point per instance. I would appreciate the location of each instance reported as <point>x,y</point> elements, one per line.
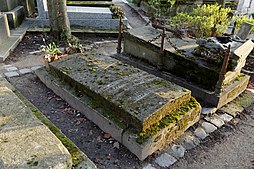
<point>211,120</point>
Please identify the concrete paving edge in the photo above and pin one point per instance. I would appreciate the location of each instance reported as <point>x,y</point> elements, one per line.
<point>79,159</point>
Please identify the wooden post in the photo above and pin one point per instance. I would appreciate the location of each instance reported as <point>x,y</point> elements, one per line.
<point>119,46</point>
<point>219,85</point>
<point>163,36</point>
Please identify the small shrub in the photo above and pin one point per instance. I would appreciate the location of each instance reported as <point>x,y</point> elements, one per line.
<point>117,12</point>
<point>203,19</point>
<point>52,51</point>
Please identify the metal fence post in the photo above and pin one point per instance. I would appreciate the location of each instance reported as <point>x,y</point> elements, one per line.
<point>219,85</point>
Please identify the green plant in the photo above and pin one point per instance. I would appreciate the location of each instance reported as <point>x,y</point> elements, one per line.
<point>50,48</point>
<point>162,6</point>
<point>117,12</point>
<point>52,51</point>
<point>75,47</point>
<point>202,19</point>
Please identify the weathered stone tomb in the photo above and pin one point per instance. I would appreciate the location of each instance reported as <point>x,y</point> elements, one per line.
<point>143,112</point>
<point>199,73</point>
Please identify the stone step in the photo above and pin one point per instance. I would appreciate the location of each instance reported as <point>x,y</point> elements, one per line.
<point>134,96</point>
<point>7,46</point>
<point>79,12</point>
<point>4,28</point>
<point>88,12</point>
<point>25,141</point>
<point>7,5</point>
<point>90,3</point>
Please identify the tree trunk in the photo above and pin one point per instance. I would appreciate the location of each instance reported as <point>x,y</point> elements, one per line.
<point>222,3</point>
<point>59,22</point>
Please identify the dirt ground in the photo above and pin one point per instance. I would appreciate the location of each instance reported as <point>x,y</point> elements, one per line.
<point>231,147</point>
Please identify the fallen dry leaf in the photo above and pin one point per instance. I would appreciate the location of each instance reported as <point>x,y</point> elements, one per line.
<point>116,145</point>
<point>79,121</point>
<point>107,135</point>
<point>99,139</point>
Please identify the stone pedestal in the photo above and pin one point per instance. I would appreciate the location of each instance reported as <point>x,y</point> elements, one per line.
<point>15,13</point>
<point>4,28</point>
<point>7,41</point>
<point>7,5</point>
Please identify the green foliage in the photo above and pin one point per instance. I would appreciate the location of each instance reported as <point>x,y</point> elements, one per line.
<point>204,18</point>
<point>75,47</point>
<point>117,12</point>
<point>162,6</point>
<point>50,48</point>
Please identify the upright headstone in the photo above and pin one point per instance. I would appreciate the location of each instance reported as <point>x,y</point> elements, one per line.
<point>245,30</point>
<point>29,6</point>
<point>4,28</point>
<point>245,6</point>
<point>42,9</point>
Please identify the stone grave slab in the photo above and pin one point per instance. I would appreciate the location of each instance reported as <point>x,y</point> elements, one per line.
<point>131,93</point>
<point>25,141</point>
<point>194,73</point>
<point>90,3</point>
<point>146,112</point>
<point>77,12</point>
<point>91,18</point>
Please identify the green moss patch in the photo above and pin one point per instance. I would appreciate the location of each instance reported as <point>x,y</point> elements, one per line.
<point>77,155</point>
<point>175,117</point>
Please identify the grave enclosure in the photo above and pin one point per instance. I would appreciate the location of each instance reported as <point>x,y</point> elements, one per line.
<point>81,15</point>
<point>198,74</point>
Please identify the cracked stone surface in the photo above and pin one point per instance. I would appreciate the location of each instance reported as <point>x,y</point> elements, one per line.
<point>216,120</point>
<point>35,145</point>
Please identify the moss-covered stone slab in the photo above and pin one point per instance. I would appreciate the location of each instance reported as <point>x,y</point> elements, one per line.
<point>132,95</point>
<point>24,141</point>
<point>140,143</point>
